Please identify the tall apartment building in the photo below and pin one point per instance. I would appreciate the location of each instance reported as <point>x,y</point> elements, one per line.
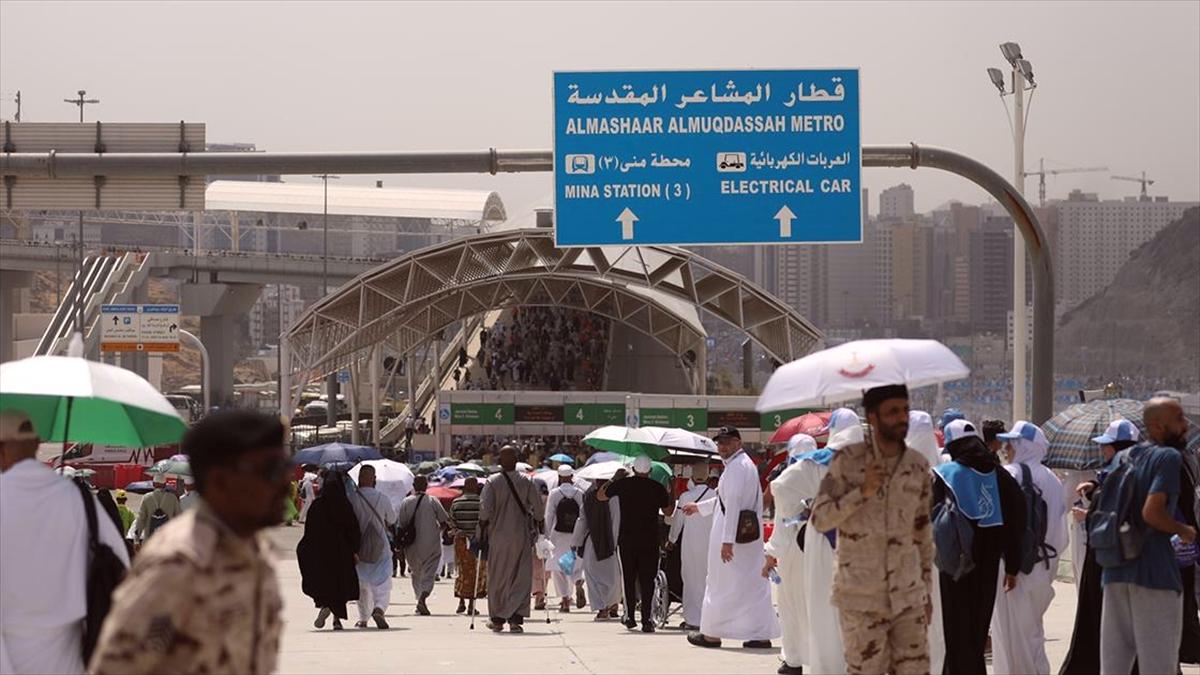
<point>1096,237</point>
<point>896,202</point>
<point>802,272</point>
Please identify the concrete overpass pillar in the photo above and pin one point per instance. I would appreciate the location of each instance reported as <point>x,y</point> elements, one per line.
<point>219,306</point>
<point>14,299</point>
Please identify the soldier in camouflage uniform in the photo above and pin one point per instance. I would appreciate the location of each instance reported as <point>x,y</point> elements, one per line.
<point>203,596</point>
<point>877,496</point>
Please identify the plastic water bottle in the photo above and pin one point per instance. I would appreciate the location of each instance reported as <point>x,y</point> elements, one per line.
<point>774,576</point>
<point>793,521</point>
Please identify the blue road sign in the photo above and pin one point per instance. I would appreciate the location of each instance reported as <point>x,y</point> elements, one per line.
<point>707,157</point>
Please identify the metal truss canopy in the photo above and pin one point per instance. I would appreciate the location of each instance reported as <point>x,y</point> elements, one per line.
<point>654,289</point>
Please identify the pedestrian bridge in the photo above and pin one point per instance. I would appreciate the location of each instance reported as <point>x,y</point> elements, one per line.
<point>659,291</point>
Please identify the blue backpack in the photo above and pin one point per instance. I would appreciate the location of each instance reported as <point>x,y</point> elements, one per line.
<point>953,537</point>
<point>1113,535</point>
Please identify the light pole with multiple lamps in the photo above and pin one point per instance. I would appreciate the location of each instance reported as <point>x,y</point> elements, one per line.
<point>331,384</point>
<point>1022,81</point>
<point>80,101</point>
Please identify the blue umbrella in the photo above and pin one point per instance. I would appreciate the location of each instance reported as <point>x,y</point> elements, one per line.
<point>560,457</point>
<point>334,454</point>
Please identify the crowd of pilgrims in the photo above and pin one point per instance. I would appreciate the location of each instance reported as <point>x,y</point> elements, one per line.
<point>539,348</point>
<point>993,607</point>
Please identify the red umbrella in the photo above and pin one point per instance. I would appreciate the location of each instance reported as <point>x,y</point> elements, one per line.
<point>814,424</point>
<point>443,494</point>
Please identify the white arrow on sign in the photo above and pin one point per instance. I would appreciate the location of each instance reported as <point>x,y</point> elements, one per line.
<point>785,217</point>
<point>627,219</point>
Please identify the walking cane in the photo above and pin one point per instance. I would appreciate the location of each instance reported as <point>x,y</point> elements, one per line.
<point>475,588</point>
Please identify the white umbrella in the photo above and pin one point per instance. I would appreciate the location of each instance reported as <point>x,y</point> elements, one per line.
<point>844,372</point>
<point>393,479</point>
<point>681,439</point>
<point>599,471</point>
<point>470,467</point>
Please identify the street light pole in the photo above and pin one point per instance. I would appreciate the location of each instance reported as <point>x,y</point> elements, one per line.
<point>1022,72</point>
<point>331,383</point>
<point>81,101</point>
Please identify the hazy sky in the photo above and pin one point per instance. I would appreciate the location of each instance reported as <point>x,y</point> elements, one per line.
<point>1119,82</point>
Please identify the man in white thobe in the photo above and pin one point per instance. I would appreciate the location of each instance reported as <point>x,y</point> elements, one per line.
<point>1018,635</point>
<point>784,555</point>
<point>922,439</point>
<point>188,500</point>
<point>691,535</point>
<point>737,599</point>
<point>43,557</point>
<point>561,531</point>
<point>375,517</point>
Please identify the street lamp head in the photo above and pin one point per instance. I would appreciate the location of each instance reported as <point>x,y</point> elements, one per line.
<point>82,92</point>
<point>1026,70</point>
<point>1011,52</point>
<point>997,78</point>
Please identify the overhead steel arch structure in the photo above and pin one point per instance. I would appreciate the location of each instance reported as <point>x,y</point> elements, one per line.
<point>657,290</point>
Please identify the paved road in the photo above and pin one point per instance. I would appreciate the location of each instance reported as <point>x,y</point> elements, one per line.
<point>571,643</point>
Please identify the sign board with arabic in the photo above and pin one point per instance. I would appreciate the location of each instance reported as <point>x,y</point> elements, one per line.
<point>707,157</point>
<point>139,328</point>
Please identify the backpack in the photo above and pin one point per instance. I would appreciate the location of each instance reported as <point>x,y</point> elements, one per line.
<point>104,573</point>
<point>372,544</point>
<point>1112,534</point>
<point>157,519</point>
<point>565,515</point>
<point>953,537</point>
<point>1034,548</point>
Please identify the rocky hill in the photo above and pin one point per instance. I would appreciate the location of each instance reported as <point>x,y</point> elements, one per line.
<point>1147,321</point>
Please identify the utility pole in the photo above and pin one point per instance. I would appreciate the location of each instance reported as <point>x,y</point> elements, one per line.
<point>80,101</point>
<point>331,384</point>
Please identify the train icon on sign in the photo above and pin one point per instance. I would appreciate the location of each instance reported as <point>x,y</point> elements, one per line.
<point>581,164</point>
<point>731,162</point>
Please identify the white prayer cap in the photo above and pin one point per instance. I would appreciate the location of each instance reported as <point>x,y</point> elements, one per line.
<point>188,480</point>
<point>641,464</point>
<point>565,470</point>
<point>15,425</point>
<point>159,479</point>
<point>699,471</point>
<point>801,443</point>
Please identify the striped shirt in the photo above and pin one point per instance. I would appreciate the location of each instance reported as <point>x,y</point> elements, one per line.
<point>464,514</point>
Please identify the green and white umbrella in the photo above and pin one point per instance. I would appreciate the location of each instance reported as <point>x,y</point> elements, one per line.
<point>628,441</point>
<point>71,399</point>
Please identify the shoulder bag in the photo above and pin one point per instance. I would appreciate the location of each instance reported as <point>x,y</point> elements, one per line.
<point>748,529</point>
<point>104,573</point>
<point>530,521</point>
<point>407,535</point>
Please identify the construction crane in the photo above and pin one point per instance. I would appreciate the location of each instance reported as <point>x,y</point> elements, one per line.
<point>1143,180</point>
<point>1042,172</point>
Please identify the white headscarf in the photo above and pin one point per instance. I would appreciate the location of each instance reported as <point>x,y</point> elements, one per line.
<point>1027,451</point>
<point>921,437</point>
<point>799,444</point>
<point>844,429</point>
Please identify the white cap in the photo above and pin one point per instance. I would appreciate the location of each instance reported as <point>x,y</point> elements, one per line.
<point>15,425</point>
<point>159,479</point>
<point>641,464</point>
<point>565,470</point>
<point>188,480</point>
<point>960,429</point>
<point>699,471</point>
